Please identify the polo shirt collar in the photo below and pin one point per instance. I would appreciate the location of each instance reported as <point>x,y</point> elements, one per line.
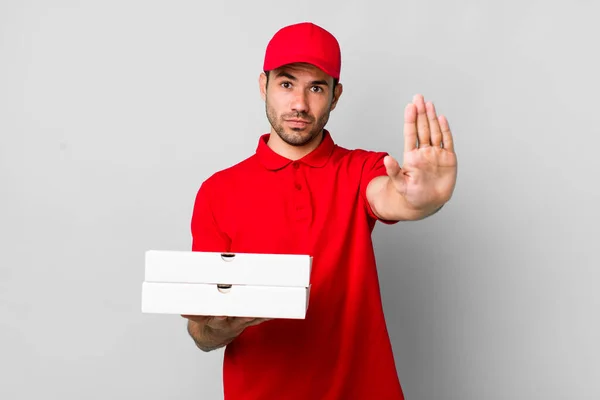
<point>316,158</point>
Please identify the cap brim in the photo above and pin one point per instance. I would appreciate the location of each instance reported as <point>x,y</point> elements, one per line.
<point>268,66</point>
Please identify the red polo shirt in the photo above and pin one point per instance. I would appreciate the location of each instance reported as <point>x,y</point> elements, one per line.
<point>317,206</point>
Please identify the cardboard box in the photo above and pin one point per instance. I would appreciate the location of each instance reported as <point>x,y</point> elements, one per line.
<point>236,285</point>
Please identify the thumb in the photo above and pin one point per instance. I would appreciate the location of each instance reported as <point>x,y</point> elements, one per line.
<point>395,173</point>
<point>392,167</point>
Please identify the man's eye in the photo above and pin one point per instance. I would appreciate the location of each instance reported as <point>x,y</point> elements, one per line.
<point>286,85</point>
<point>317,89</point>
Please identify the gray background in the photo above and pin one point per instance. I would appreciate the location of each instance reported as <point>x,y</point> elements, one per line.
<point>112,114</point>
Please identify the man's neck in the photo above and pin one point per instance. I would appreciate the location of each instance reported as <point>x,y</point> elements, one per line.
<point>292,152</point>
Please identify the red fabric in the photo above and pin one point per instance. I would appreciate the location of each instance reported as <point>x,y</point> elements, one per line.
<point>304,42</point>
<point>317,206</point>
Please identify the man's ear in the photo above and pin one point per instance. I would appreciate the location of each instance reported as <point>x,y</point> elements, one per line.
<point>337,93</point>
<point>262,83</point>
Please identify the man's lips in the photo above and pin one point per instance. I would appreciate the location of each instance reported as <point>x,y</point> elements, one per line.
<point>297,122</point>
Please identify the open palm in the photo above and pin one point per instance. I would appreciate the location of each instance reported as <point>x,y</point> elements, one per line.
<point>428,175</point>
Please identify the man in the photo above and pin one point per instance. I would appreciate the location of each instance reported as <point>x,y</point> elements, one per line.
<point>303,194</point>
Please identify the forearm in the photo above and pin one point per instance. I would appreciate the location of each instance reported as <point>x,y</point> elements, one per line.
<point>388,204</point>
<point>206,338</point>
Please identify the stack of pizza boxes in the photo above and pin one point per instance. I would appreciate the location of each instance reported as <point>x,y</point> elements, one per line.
<point>226,284</point>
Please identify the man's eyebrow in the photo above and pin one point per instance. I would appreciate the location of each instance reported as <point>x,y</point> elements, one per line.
<point>319,82</point>
<point>286,75</point>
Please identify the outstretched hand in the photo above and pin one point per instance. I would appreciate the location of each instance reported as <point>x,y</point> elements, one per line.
<point>428,176</point>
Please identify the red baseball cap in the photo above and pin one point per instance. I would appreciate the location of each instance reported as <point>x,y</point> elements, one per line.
<point>304,42</point>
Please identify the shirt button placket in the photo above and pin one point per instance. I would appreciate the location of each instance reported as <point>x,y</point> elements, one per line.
<point>302,198</point>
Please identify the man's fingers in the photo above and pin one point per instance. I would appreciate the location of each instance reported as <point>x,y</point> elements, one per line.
<point>410,127</point>
<point>434,126</point>
<point>196,318</point>
<point>241,323</point>
<point>226,323</point>
<point>423,132</point>
<point>258,321</point>
<point>253,321</point>
<point>447,138</point>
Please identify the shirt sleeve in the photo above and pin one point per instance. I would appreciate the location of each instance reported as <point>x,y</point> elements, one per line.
<point>206,233</point>
<point>372,167</point>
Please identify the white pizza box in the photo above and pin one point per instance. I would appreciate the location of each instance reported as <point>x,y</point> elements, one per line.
<point>230,301</point>
<point>231,284</point>
<point>289,270</point>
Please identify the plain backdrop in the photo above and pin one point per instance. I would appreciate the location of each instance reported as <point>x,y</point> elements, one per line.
<point>112,113</point>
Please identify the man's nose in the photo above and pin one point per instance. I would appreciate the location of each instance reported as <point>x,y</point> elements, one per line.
<point>299,102</point>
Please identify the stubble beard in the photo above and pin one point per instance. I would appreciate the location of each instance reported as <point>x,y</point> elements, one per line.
<point>296,136</point>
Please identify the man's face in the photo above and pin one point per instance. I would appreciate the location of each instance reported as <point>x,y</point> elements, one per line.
<point>299,98</point>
